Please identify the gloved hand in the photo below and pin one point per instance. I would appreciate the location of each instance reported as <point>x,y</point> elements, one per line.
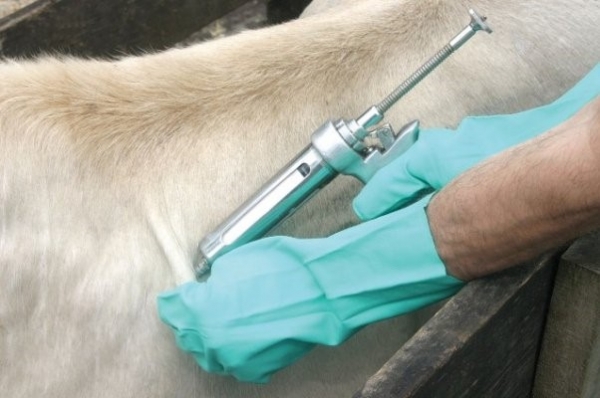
<point>269,302</point>
<point>440,155</point>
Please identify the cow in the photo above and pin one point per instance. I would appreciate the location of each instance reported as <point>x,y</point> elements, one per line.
<point>111,171</point>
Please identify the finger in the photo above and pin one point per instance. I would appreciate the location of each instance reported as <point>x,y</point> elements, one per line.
<point>404,180</point>
<point>390,189</point>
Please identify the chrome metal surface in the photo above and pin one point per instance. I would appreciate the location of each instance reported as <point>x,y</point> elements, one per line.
<point>278,198</point>
<point>378,158</point>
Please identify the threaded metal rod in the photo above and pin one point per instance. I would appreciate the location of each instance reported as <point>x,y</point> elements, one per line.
<point>476,24</point>
<point>414,79</point>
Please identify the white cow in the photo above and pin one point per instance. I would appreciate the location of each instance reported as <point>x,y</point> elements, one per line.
<point>111,172</point>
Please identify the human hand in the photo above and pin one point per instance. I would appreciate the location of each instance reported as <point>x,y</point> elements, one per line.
<point>440,155</point>
<point>267,303</point>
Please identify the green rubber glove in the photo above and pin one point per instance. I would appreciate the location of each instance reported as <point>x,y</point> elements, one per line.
<point>267,303</point>
<point>441,155</point>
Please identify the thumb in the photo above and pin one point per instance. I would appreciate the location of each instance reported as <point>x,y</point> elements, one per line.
<point>402,181</point>
<point>389,189</point>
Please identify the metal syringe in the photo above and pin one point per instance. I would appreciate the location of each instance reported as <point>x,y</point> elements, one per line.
<point>336,148</point>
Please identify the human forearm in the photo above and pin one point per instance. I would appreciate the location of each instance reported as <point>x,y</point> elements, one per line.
<point>522,202</point>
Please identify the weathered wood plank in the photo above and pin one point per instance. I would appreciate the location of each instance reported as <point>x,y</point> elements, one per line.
<point>569,363</point>
<point>105,28</point>
<point>483,343</point>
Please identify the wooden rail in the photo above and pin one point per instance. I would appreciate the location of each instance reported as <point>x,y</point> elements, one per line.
<point>483,343</point>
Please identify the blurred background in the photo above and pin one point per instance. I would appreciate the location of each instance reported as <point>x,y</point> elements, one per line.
<point>111,28</point>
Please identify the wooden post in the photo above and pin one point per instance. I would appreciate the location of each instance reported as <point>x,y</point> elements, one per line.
<point>569,363</point>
